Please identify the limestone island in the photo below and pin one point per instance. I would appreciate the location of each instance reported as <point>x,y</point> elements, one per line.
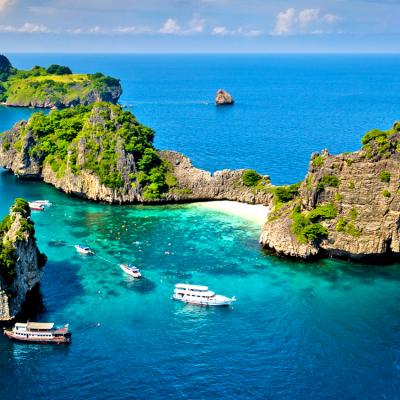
<point>101,152</point>
<point>21,262</point>
<point>54,87</point>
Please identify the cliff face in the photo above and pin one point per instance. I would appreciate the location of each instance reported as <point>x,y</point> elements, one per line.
<point>20,260</point>
<point>348,206</point>
<point>110,158</point>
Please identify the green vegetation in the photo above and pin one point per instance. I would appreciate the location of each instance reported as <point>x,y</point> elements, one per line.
<point>338,197</point>
<point>352,185</point>
<point>385,176</point>
<point>55,69</point>
<point>327,211</point>
<point>304,226</point>
<point>284,194</point>
<point>55,85</point>
<point>353,213</point>
<point>381,144</point>
<point>251,178</point>
<point>328,180</point>
<point>102,134</point>
<point>318,161</point>
<point>347,225</point>
<point>386,193</point>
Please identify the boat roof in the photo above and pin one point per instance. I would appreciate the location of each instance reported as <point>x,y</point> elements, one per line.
<point>35,325</point>
<point>191,287</point>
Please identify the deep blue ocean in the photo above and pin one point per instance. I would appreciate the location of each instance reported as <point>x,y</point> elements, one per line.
<point>325,330</point>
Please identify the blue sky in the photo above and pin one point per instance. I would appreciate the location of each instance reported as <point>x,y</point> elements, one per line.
<point>199,26</point>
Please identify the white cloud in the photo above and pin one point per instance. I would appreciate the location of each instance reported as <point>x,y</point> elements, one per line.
<point>133,30</point>
<point>285,21</point>
<point>250,33</point>
<point>308,21</point>
<point>4,4</point>
<point>170,27</point>
<point>221,31</point>
<point>26,28</point>
<point>96,29</point>
<point>331,18</point>
<point>196,25</point>
<point>224,31</point>
<point>308,16</point>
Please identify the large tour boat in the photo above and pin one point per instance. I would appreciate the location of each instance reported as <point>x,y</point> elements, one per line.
<point>39,332</point>
<point>200,295</point>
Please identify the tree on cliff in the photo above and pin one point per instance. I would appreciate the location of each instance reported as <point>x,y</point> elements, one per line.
<point>5,68</point>
<point>56,69</point>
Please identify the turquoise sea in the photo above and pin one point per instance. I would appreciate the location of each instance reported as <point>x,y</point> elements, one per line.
<point>325,330</point>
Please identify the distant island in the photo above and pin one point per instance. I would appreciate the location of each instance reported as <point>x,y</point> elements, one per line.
<point>54,87</point>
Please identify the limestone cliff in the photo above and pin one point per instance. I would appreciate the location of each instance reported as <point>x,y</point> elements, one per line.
<point>106,155</point>
<point>348,206</point>
<point>20,260</point>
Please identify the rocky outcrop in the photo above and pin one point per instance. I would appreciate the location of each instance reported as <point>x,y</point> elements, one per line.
<point>354,197</point>
<point>277,236</point>
<point>193,184</point>
<point>21,262</point>
<point>223,98</point>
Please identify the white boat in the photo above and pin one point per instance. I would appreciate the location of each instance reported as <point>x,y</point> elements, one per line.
<point>85,250</point>
<point>45,203</point>
<point>36,206</point>
<point>131,270</point>
<point>38,332</point>
<point>200,295</point>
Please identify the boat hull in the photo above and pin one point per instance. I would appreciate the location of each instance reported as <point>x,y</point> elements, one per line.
<point>32,339</point>
<point>226,302</point>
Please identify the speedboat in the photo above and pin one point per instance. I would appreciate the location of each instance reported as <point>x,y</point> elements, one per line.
<point>45,203</point>
<point>200,295</point>
<point>39,332</point>
<point>36,206</point>
<point>85,250</point>
<point>131,270</point>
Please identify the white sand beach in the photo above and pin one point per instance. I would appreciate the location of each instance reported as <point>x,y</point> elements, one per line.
<point>253,212</point>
